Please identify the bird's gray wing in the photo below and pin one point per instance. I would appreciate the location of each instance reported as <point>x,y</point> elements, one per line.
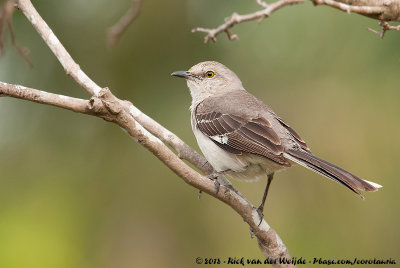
<point>237,134</point>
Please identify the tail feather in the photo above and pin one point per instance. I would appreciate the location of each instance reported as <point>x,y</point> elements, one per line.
<point>331,171</point>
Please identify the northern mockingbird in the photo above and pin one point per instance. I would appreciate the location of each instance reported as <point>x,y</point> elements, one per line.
<point>242,137</point>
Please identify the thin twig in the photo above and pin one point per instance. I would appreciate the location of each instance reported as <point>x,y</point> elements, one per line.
<point>116,31</point>
<point>262,3</point>
<point>236,19</point>
<point>6,12</point>
<point>385,27</point>
<point>22,51</point>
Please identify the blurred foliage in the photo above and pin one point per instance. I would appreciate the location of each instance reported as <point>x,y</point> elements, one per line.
<point>78,192</point>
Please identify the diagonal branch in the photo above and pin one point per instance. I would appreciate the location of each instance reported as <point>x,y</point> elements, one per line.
<point>116,31</point>
<point>236,19</point>
<point>108,107</point>
<point>69,65</point>
<point>6,12</point>
<point>146,132</point>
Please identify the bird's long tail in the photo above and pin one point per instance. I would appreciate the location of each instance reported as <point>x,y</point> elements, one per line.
<point>331,171</point>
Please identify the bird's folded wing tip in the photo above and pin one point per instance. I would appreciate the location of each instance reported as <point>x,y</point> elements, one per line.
<point>377,186</point>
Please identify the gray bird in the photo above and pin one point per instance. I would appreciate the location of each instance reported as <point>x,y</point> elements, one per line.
<point>242,137</point>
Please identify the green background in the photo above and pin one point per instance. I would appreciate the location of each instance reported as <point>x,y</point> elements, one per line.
<point>76,191</point>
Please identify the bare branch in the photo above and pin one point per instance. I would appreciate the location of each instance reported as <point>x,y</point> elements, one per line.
<point>105,105</point>
<point>236,19</point>
<point>6,12</point>
<point>382,10</point>
<point>385,27</point>
<point>184,151</point>
<point>365,10</point>
<point>116,31</point>
<point>73,104</point>
<point>262,3</point>
<point>69,65</point>
<point>22,51</point>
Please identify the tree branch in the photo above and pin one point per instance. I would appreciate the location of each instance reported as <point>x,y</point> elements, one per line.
<point>385,27</point>
<point>383,10</point>
<point>6,12</point>
<point>146,132</point>
<point>236,19</point>
<point>116,31</point>
<point>90,107</point>
<point>69,65</point>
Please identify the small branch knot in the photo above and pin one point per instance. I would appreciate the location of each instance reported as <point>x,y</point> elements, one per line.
<point>110,101</point>
<point>235,17</point>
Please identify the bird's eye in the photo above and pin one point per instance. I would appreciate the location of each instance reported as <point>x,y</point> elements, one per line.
<point>210,74</point>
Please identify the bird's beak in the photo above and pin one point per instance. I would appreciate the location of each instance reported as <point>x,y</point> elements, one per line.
<point>182,74</point>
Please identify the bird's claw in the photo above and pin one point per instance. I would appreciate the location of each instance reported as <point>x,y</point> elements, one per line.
<point>260,214</point>
<point>214,177</point>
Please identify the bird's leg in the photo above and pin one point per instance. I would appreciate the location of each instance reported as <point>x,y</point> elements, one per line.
<point>260,209</point>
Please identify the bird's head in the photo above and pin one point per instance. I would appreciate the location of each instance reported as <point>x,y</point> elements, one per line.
<point>209,78</point>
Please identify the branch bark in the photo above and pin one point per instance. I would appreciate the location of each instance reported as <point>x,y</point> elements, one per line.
<point>145,131</point>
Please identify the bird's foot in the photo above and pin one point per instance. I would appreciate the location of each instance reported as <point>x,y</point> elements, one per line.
<point>260,214</point>
<point>217,186</point>
<point>214,177</point>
